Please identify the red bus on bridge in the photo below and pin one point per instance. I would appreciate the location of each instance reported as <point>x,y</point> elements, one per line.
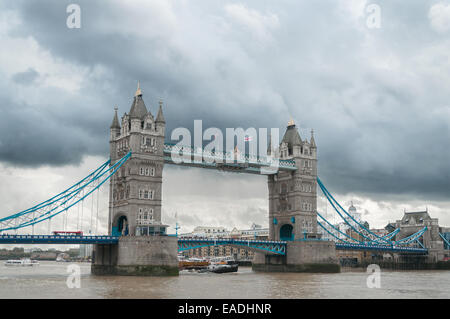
<point>67,233</point>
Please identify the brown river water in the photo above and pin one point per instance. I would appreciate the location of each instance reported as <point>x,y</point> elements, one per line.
<point>49,280</point>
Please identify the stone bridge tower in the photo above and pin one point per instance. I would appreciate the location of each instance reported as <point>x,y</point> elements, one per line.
<point>135,199</point>
<point>135,190</point>
<point>293,211</point>
<point>293,195</point>
<point>413,222</point>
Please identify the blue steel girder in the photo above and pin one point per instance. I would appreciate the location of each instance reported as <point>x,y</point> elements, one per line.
<point>274,247</point>
<point>385,248</point>
<point>229,161</point>
<point>56,239</point>
<point>62,202</point>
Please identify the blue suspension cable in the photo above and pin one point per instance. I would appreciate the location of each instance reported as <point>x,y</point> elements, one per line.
<point>340,239</point>
<point>39,219</point>
<point>54,198</point>
<point>343,218</point>
<point>332,226</point>
<point>68,197</point>
<point>389,236</point>
<point>445,240</point>
<point>118,164</point>
<point>331,199</point>
<point>412,237</point>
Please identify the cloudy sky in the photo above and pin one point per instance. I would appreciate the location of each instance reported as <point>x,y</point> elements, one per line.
<point>377,98</point>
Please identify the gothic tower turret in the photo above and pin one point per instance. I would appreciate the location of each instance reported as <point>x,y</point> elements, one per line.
<point>135,190</point>
<point>293,195</point>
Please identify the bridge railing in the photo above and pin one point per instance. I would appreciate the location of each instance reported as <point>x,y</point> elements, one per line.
<point>275,247</point>
<point>55,239</point>
<point>229,157</point>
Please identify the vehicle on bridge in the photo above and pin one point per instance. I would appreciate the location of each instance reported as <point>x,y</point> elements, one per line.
<point>67,233</point>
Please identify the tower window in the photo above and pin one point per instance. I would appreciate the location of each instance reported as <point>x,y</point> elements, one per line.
<point>147,171</point>
<point>146,194</point>
<point>145,216</point>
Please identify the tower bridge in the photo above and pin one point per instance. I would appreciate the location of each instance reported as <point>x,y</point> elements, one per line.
<point>137,243</point>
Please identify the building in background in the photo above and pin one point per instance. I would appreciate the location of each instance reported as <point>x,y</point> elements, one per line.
<point>208,232</point>
<point>346,226</point>
<point>255,232</point>
<point>85,251</point>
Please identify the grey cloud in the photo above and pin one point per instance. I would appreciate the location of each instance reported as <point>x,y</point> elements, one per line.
<point>376,99</point>
<point>27,77</point>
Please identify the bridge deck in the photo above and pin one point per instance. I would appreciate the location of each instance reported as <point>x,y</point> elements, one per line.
<point>55,239</point>
<point>245,163</point>
<point>385,248</point>
<point>270,246</point>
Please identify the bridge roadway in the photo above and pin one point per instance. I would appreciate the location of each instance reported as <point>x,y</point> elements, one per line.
<point>230,161</point>
<point>274,247</point>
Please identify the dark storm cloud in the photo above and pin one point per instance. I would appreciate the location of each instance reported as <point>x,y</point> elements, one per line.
<point>377,99</point>
<point>30,137</point>
<point>27,77</point>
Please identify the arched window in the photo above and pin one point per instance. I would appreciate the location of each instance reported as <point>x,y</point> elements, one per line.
<point>286,232</point>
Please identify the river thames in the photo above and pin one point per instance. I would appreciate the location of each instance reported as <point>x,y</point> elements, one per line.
<point>49,280</point>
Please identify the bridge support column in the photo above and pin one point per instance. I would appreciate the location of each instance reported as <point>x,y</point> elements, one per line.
<point>137,256</point>
<point>301,256</point>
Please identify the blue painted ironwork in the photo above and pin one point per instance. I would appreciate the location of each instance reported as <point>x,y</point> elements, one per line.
<point>387,248</point>
<point>411,238</point>
<point>226,160</point>
<point>390,235</point>
<point>333,235</point>
<point>275,247</point>
<point>446,241</point>
<point>332,200</point>
<point>55,239</point>
<point>336,229</point>
<point>61,195</point>
<point>393,246</point>
<point>63,201</point>
<point>420,244</point>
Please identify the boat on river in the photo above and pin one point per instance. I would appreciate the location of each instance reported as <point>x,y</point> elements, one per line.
<point>24,262</point>
<point>193,263</point>
<point>223,265</point>
<point>216,265</point>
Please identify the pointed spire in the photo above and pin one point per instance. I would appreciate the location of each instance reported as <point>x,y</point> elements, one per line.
<point>291,136</point>
<point>138,91</point>
<point>138,109</point>
<point>291,122</point>
<point>160,116</point>
<point>115,122</point>
<point>313,142</point>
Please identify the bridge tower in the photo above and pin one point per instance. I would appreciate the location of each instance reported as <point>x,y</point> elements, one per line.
<point>293,211</point>
<point>135,198</point>
<point>293,195</point>
<point>135,191</point>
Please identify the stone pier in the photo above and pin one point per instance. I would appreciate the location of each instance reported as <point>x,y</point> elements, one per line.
<point>137,256</point>
<point>301,256</point>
